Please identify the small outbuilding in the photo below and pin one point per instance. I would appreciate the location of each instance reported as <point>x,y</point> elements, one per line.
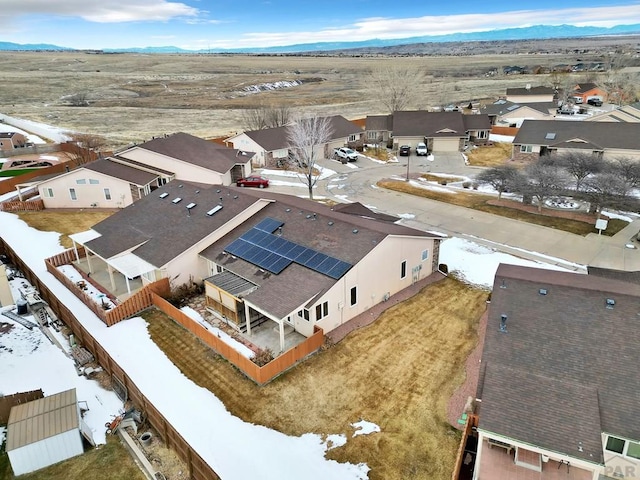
<point>43,432</point>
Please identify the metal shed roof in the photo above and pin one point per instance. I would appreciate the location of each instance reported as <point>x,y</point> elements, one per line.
<point>43,418</point>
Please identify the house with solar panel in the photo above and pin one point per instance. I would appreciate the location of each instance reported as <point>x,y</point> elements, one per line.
<point>262,256</point>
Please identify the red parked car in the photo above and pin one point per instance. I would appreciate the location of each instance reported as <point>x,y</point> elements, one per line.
<point>253,181</point>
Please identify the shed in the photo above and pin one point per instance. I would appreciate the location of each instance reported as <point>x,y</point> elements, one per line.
<point>43,432</point>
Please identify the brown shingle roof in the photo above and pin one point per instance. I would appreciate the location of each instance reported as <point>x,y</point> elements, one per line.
<point>428,124</point>
<point>197,151</point>
<point>624,136</point>
<point>270,138</point>
<point>565,338</point>
<point>530,91</point>
<point>379,122</point>
<point>476,122</point>
<point>120,171</point>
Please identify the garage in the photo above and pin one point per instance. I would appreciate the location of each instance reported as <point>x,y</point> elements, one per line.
<point>450,144</point>
<point>43,432</point>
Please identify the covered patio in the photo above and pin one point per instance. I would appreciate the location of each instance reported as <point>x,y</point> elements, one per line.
<point>267,335</point>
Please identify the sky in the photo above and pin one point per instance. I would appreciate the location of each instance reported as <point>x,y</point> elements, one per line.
<point>217,24</point>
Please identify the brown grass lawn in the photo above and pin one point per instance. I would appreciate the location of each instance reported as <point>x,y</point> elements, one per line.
<point>65,222</point>
<point>108,462</point>
<point>478,201</point>
<point>398,372</point>
<point>490,156</point>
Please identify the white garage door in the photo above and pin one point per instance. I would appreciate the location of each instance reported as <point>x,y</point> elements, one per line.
<point>446,144</point>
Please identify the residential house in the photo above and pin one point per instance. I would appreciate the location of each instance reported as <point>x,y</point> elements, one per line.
<point>530,94</point>
<point>626,113</point>
<point>441,131</point>
<point>559,385</point>
<point>378,128</point>
<point>272,144</point>
<point>189,158</point>
<point>263,256</point>
<point>11,140</point>
<point>103,183</point>
<point>503,113</point>
<point>604,139</point>
<point>583,92</point>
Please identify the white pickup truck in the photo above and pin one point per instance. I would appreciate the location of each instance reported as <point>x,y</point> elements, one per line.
<point>345,154</point>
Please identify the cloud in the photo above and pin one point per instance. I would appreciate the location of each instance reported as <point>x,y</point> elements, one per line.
<point>391,28</point>
<point>103,11</point>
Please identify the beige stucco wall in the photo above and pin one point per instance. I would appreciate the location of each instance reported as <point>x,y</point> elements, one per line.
<point>183,170</point>
<point>547,97</point>
<point>88,195</point>
<point>376,277</point>
<point>244,142</point>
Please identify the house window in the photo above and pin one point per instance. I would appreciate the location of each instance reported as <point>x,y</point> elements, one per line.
<point>425,255</point>
<point>482,134</point>
<point>354,295</point>
<point>48,192</point>
<point>322,310</point>
<point>633,450</point>
<point>615,444</point>
<point>304,313</point>
<point>107,194</point>
<point>372,135</point>
<point>93,181</point>
<point>219,268</point>
<point>403,269</point>
<point>526,148</point>
<point>352,138</point>
<point>72,193</point>
<point>81,181</point>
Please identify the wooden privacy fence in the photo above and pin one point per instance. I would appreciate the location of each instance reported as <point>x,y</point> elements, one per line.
<point>260,375</point>
<point>472,421</point>
<point>198,468</point>
<point>508,131</point>
<point>22,206</point>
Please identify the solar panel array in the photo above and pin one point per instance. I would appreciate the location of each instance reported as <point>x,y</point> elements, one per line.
<point>273,253</point>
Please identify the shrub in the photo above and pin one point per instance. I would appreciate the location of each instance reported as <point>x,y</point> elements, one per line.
<point>466,184</point>
<point>443,268</point>
<point>262,357</point>
<point>181,294</point>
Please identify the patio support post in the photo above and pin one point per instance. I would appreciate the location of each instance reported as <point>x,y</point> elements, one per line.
<point>19,193</point>
<point>88,255</point>
<point>247,318</point>
<point>113,282</point>
<point>75,249</point>
<point>476,469</point>
<point>126,279</point>
<point>281,325</point>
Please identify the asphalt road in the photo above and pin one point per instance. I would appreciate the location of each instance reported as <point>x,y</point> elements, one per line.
<point>504,234</point>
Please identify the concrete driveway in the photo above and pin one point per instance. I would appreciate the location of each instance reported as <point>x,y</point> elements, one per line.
<point>357,182</point>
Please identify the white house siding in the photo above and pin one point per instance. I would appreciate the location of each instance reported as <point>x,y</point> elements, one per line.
<point>244,142</point>
<point>547,97</point>
<point>46,452</point>
<point>88,195</point>
<point>446,144</point>
<point>377,276</point>
<point>183,170</point>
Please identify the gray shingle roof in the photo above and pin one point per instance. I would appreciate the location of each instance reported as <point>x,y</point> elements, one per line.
<point>120,171</point>
<point>428,124</point>
<point>197,151</point>
<point>624,136</point>
<point>379,123</point>
<point>476,122</point>
<point>530,91</point>
<point>567,353</point>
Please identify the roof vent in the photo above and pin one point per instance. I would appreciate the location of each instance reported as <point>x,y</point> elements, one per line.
<point>180,186</point>
<point>164,195</point>
<point>235,197</point>
<point>503,284</point>
<point>610,302</point>
<point>503,323</point>
<point>197,191</point>
<point>287,210</point>
<point>542,291</point>
<point>309,215</point>
<point>355,230</point>
<point>330,224</point>
<point>191,205</point>
<point>176,200</point>
<point>550,136</point>
<point>215,209</point>
<point>218,191</point>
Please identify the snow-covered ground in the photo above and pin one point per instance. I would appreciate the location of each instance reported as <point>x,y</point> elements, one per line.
<point>30,136</point>
<point>39,130</point>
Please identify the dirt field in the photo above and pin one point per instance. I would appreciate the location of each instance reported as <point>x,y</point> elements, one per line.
<point>133,97</point>
<point>398,373</point>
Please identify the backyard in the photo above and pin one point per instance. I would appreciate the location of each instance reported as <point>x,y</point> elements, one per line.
<point>398,373</point>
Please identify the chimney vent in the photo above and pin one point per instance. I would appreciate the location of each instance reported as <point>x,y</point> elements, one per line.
<point>503,323</point>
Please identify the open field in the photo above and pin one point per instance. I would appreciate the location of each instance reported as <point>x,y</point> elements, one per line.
<point>133,97</point>
<point>398,372</point>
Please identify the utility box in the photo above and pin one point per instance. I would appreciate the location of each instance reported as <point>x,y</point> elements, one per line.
<point>5,290</point>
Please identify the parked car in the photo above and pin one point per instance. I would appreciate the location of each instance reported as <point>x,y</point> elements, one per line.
<point>345,154</point>
<point>404,151</point>
<point>421,149</point>
<point>596,102</point>
<point>253,181</point>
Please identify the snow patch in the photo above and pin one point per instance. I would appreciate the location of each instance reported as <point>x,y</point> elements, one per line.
<point>364,428</point>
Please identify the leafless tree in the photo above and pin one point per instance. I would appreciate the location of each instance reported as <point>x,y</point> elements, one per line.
<point>395,87</point>
<point>606,189</point>
<point>629,172</point>
<point>78,99</point>
<point>542,181</point>
<point>307,137</point>
<point>266,116</point>
<point>85,147</point>
<point>621,86</point>
<point>501,178</point>
<point>581,165</point>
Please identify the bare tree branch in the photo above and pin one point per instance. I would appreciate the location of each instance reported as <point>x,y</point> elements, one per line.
<point>85,147</point>
<point>395,87</point>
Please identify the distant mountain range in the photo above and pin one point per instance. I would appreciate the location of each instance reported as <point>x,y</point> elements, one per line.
<point>526,33</point>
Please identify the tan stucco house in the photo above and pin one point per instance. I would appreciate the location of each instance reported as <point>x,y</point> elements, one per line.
<point>559,385</point>
<point>503,113</point>
<point>529,94</point>
<point>606,140</point>
<point>272,144</point>
<point>11,140</point>
<point>263,255</point>
<point>624,114</point>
